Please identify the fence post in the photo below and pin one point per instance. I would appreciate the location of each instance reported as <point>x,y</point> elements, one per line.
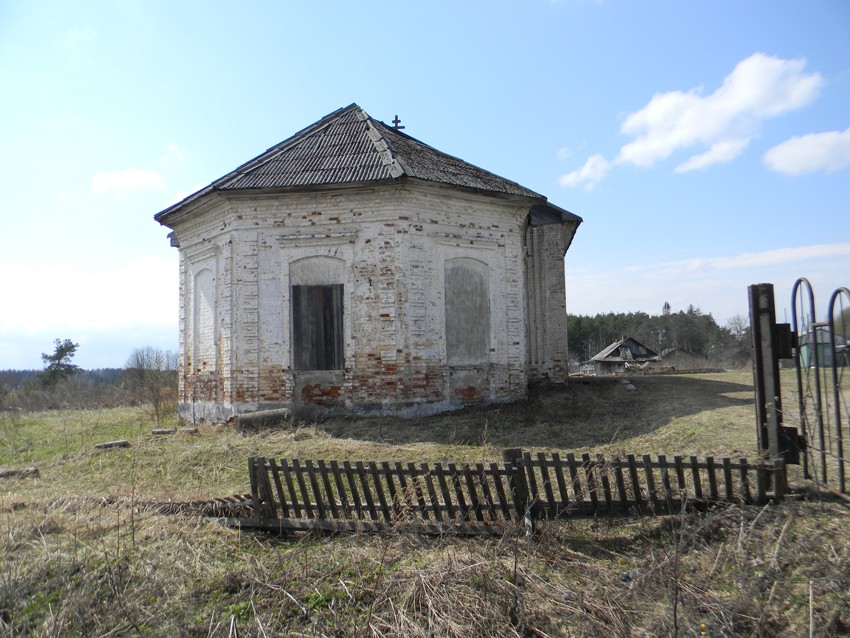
<point>261,489</point>
<point>519,486</point>
<point>765,369</point>
<point>771,341</point>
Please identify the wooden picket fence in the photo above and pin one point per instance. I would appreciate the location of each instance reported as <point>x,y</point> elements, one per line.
<point>293,495</point>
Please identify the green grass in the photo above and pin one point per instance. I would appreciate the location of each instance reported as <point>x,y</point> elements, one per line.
<point>72,564</point>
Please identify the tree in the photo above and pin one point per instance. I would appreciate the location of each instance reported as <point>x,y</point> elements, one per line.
<point>738,326</point>
<point>153,374</point>
<point>58,366</point>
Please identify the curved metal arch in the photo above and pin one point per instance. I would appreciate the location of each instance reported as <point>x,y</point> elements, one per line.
<point>837,295</point>
<point>801,286</point>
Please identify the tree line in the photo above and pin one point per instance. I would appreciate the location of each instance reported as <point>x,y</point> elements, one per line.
<point>148,378</point>
<point>691,330</point>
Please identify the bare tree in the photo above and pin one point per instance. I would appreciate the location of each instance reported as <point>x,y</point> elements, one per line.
<point>153,373</point>
<point>738,326</point>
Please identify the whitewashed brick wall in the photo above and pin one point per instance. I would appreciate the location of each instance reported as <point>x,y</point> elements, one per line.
<point>393,242</point>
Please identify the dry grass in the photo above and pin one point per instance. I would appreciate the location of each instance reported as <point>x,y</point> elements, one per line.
<point>71,564</point>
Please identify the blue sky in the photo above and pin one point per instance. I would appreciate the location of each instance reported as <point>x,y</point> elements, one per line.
<point>706,145</point>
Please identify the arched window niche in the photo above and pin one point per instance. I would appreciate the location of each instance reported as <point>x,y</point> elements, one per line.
<point>467,283</point>
<point>203,321</point>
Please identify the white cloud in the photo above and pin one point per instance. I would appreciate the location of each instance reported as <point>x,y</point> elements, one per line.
<point>594,170</point>
<point>827,152</point>
<point>130,179</point>
<point>723,151</point>
<point>723,122</point>
<point>758,88</point>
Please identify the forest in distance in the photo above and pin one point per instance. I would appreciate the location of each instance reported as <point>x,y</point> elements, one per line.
<point>690,330</point>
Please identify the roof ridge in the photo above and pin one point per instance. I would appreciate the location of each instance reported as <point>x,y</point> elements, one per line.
<point>389,157</point>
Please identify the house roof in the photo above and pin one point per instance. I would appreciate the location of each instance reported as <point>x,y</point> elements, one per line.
<point>349,147</point>
<point>612,352</point>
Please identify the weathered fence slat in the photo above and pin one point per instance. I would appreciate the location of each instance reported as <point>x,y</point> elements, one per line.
<point>712,479</point>
<point>432,492</point>
<point>371,495</point>
<point>417,488</point>
<point>382,499</point>
<point>606,483</point>
<point>633,473</point>
<point>650,482</point>
<point>344,502</point>
<point>255,493</point>
<point>302,488</point>
<point>533,499</point>
<point>665,481</point>
<point>473,493</point>
<point>387,471</point>
<point>485,491</point>
<point>496,473</point>
<point>314,485</point>
<point>577,491</point>
<point>461,501</point>
<point>405,495</point>
<point>745,482</point>
<point>680,473</point>
<point>444,489</point>
<point>329,493</point>
<point>621,485</point>
<point>282,500</point>
<point>355,494</point>
<point>727,477</point>
<point>547,484</point>
<point>562,485</point>
<point>695,477</point>
<point>367,493</point>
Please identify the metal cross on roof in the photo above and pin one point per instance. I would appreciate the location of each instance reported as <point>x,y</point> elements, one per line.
<point>396,123</point>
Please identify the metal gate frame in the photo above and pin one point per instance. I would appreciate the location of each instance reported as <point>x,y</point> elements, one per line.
<point>821,400</point>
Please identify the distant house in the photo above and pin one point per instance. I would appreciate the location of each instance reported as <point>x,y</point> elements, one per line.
<point>623,355</point>
<point>355,267</point>
<point>820,338</point>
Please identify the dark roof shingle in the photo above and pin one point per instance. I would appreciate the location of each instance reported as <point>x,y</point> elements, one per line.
<point>345,147</point>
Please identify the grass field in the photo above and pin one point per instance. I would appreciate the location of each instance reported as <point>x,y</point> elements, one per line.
<point>81,555</point>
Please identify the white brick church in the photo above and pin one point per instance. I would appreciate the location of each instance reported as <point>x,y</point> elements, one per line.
<point>354,267</point>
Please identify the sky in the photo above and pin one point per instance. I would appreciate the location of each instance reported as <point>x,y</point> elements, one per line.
<point>706,145</point>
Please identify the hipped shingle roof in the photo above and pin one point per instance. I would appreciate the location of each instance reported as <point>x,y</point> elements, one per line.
<point>349,147</point>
